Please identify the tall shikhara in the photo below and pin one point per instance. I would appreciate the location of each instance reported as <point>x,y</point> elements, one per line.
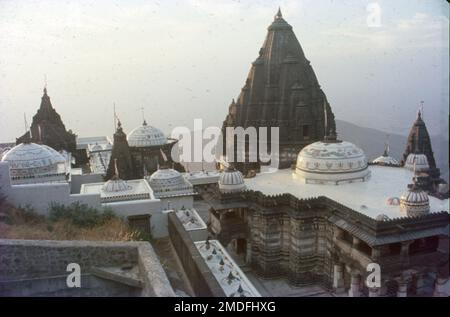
<point>48,128</point>
<point>282,91</point>
<point>419,141</point>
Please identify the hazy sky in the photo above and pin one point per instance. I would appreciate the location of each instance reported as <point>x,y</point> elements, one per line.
<point>182,60</point>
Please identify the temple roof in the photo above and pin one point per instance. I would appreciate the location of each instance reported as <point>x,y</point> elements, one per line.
<point>369,198</point>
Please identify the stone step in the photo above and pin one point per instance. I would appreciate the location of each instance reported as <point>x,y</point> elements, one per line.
<point>128,276</point>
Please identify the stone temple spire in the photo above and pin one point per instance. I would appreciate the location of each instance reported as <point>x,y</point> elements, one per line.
<point>47,127</point>
<point>281,90</point>
<point>419,141</point>
<point>121,155</point>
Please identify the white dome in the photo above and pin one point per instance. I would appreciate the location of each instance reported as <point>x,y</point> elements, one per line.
<point>382,217</point>
<point>56,154</point>
<point>231,180</point>
<point>116,185</point>
<point>146,135</point>
<point>385,160</point>
<point>96,148</point>
<point>31,161</point>
<point>167,181</point>
<point>415,202</point>
<point>332,162</point>
<point>420,161</point>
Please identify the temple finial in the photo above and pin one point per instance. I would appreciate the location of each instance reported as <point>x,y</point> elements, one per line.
<point>386,146</point>
<point>116,170</point>
<point>325,115</point>
<point>45,85</point>
<point>421,109</point>
<point>278,15</point>
<point>144,123</point>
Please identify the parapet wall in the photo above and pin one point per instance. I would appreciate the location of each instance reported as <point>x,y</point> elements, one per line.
<point>201,278</point>
<point>36,259</point>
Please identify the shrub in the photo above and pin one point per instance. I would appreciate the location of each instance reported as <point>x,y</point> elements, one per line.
<point>22,215</point>
<point>80,215</point>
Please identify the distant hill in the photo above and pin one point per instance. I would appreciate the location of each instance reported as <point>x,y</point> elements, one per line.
<point>372,142</point>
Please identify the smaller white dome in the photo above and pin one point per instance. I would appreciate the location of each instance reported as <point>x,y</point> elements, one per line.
<point>167,181</point>
<point>393,201</point>
<point>385,160</point>
<point>146,135</point>
<point>382,217</point>
<point>415,202</point>
<point>231,180</point>
<point>116,185</point>
<point>420,161</point>
<point>96,148</point>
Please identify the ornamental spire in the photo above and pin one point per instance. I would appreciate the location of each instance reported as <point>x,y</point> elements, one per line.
<point>386,146</point>
<point>278,15</point>
<point>116,170</point>
<point>144,123</point>
<point>45,85</point>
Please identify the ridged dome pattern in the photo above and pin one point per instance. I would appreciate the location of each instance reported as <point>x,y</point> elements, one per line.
<point>231,180</point>
<point>415,202</point>
<point>420,161</point>
<point>116,185</point>
<point>332,162</point>
<point>167,181</point>
<point>385,160</point>
<point>146,135</point>
<point>34,161</point>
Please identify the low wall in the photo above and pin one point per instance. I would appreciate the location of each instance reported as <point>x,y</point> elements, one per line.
<point>201,278</point>
<point>38,259</point>
<point>77,180</point>
<point>41,196</point>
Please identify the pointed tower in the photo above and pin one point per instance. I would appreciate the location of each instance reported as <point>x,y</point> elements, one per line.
<point>282,90</point>
<point>419,142</point>
<point>121,155</point>
<point>47,128</point>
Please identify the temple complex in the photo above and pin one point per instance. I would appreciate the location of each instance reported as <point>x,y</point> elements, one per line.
<point>322,221</point>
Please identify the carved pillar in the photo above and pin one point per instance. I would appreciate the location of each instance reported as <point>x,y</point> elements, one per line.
<point>338,278</point>
<point>405,248</point>
<point>439,287</point>
<point>376,253</point>
<point>339,233</point>
<point>402,289</point>
<point>420,283</point>
<point>443,244</point>
<point>356,243</point>
<point>248,256</point>
<point>355,285</point>
<point>374,291</point>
